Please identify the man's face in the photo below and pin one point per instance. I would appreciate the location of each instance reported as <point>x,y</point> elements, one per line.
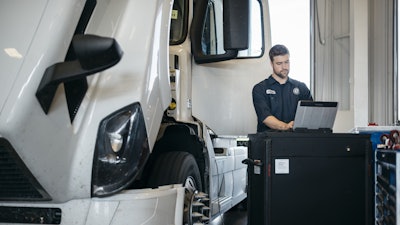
<point>281,66</point>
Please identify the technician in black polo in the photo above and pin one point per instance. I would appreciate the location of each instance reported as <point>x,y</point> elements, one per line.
<point>275,98</point>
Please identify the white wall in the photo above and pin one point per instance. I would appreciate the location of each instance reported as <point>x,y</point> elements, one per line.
<point>356,101</point>
<point>359,60</point>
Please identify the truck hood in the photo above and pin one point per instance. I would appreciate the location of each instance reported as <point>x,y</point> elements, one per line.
<point>18,25</point>
<point>57,152</point>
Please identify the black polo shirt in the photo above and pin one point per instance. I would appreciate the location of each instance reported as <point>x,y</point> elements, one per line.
<point>279,100</point>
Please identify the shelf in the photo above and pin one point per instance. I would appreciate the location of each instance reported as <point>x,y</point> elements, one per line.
<point>387,172</point>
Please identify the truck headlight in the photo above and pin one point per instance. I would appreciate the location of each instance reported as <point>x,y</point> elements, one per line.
<point>121,150</point>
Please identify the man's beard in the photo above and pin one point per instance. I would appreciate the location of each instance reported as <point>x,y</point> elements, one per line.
<point>281,75</point>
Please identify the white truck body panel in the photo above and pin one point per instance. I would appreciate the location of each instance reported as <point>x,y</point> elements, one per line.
<point>228,173</point>
<point>238,78</point>
<point>71,150</point>
<point>59,151</point>
<point>22,121</point>
<point>225,89</point>
<point>144,206</point>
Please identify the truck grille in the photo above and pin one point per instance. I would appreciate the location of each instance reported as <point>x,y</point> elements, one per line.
<point>16,181</point>
<point>30,215</point>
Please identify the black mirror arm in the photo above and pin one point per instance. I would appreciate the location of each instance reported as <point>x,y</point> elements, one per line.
<point>54,76</point>
<point>94,54</point>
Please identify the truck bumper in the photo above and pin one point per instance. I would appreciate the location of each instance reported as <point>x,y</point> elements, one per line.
<point>163,205</point>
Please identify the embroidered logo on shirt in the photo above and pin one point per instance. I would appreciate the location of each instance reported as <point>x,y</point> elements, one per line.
<point>296,91</point>
<point>270,92</point>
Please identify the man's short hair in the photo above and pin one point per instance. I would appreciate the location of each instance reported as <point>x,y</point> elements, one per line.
<point>277,50</point>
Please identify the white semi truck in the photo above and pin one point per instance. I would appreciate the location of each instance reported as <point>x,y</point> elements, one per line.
<point>127,111</point>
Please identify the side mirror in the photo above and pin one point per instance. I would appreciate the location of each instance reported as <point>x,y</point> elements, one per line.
<point>93,53</point>
<point>216,22</point>
<point>236,24</point>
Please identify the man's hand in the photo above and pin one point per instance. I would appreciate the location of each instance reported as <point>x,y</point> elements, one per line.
<point>274,123</point>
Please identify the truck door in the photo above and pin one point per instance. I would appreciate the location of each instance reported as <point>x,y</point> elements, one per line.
<point>229,43</point>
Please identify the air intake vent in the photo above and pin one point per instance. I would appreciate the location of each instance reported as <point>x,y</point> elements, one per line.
<point>16,181</point>
<point>30,215</point>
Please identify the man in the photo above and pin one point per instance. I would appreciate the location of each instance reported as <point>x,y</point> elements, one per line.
<point>275,98</point>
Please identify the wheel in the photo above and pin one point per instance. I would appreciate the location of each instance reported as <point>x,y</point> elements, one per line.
<point>181,168</point>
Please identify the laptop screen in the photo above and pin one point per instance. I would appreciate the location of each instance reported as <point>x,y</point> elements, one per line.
<point>315,115</point>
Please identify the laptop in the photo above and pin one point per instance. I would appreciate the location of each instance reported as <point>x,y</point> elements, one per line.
<point>315,116</point>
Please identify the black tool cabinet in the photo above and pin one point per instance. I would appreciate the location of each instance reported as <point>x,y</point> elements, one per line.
<point>310,178</point>
<point>386,188</point>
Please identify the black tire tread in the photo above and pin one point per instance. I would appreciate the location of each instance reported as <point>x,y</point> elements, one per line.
<point>174,168</point>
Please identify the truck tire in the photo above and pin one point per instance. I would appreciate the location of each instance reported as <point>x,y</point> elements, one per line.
<point>181,168</point>
<point>175,168</point>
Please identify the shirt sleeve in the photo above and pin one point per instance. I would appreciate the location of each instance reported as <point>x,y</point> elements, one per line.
<point>261,104</point>
<point>305,92</point>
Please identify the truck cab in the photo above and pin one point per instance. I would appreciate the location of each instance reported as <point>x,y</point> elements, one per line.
<point>117,112</point>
